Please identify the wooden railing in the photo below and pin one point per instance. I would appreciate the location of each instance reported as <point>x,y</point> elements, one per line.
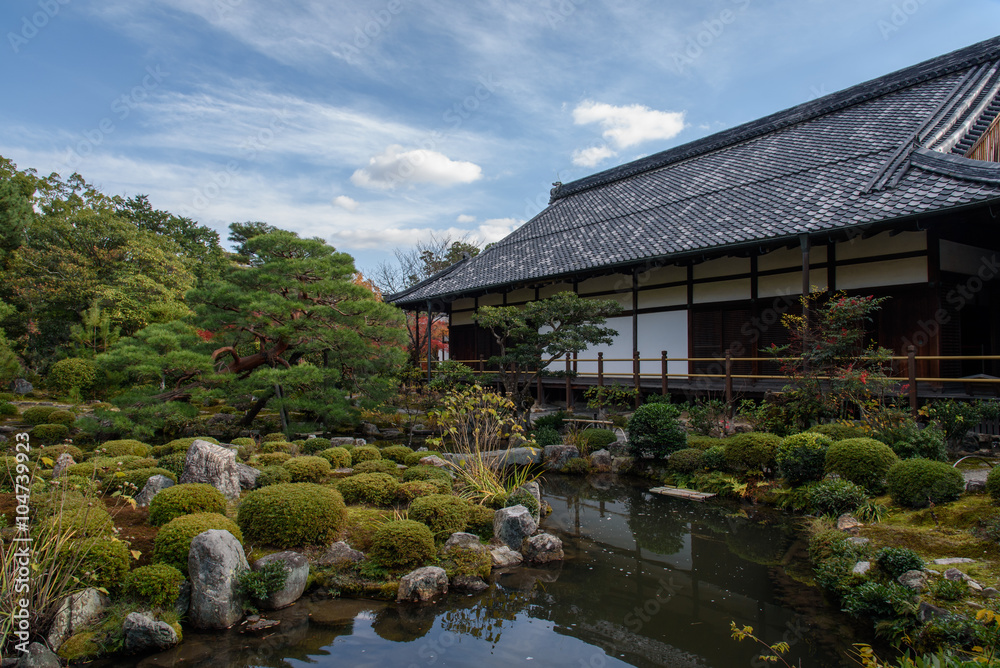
<point>988,146</point>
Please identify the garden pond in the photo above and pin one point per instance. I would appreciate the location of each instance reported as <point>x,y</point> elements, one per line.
<point>647,581</point>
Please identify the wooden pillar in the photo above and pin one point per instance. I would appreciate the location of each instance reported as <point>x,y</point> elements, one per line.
<point>663,372</point>
<point>804,244</point>
<point>729,382</point>
<point>635,378</point>
<point>911,370</point>
<point>538,388</point>
<point>569,383</point>
<point>482,366</point>
<point>430,329</point>
<point>600,369</point>
<point>416,337</point>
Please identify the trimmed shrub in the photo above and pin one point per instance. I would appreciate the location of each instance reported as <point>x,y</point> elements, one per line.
<point>523,497</point>
<point>314,446</point>
<point>714,458</point>
<point>836,497</point>
<point>49,433</point>
<point>547,436</point>
<point>174,462</point>
<point>594,438</point>
<point>894,561</point>
<point>186,499</point>
<point>244,441</point>
<point>125,447</point>
<point>339,458</point>
<point>396,453</point>
<point>687,460</point>
<point>704,442</point>
<point>144,463</point>
<point>53,452</point>
<point>38,414</point>
<point>83,520</point>
<point>277,446</point>
<point>8,410</point>
<point>173,542</point>
<point>273,458</point>
<point>377,489</point>
<point>863,461</point>
<point>753,451</point>
<point>408,491</point>
<point>413,459</point>
<point>157,584</point>
<point>361,525</point>
<point>308,468</point>
<point>104,562</point>
<point>378,466</point>
<point>131,481</point>
<point>365,453</point>
<point>554,420</point>
<point>65,418</point>
<point>993,484</point>
<point>273,475</point>
<point>443,513</point>
<point>837,431</point>
<point>801,457</point>
<point>292,514</point>
<point>914,483</point>
<point>274,437</point>
<point>654,430</point>
<point>71,373</point>
<point>875,600</point>
<point>481,521</point>
<point>83,470</point>
<point>402,545</point>
<point>431,474</point>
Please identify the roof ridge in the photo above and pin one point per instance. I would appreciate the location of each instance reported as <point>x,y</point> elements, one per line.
<point>933,68</point>
<point>433,277</point>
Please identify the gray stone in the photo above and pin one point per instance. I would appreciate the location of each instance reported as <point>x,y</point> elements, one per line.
<point>953,560</point>
<point>339,553</point>
<point>601,460</point>
<point>63,462</point>
<point>422,585</point>
<point>990,592</point>
<point>621,464</point>
<point>21,386</point>
<point>512,525</point>
<point>469,583</point>
<point>915,580</point>
<point>975,486</point>
<point>861,567</point>
<point>462,540</point>
<point>183,599</point>
<point>38,655</point>
<point>391,433</point>
<point>143,634</point>
<point>926,611</point>
<point>856,540</point>
<point>340,441</point>
<point>955,575</point>
<point>848,523</point>
<point>516,456</point>
<point>296,575</point>
<point>248,476</point>
<point>369,430</point>
<point>556,456</point>
<point>433,460</point>
<point>214,562</point>
<point>154,485</point>
<point>259,625</point>
<point>973,585</point>
<point>76,612</point>
<point>542,549</point>
<point>212,464</point>
<point>504,557</point>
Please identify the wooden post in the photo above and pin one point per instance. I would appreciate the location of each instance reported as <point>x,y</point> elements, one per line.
<point>569,383</point>
<point>911,369</point>
<point>663,372</point>
<point>430,329</point>
<point>482,367</point>
<point>538,388</point>
<point>600,369</point>
<point>729,382</point>
<point>635,378</point>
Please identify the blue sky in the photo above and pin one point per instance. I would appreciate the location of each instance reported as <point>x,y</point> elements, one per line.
<point>372,124</point>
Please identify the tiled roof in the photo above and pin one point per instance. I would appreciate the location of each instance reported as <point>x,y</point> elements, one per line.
<point>883,150</point>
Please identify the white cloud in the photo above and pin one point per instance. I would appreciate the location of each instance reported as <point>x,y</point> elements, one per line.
<point>590,157</point>
<point>394,166</point>
<point>629,125</point>
<point>488,231</point>
<point>465,218</point>
<point>345,202</point>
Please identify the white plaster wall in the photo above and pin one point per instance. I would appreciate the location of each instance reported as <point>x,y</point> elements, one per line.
<point>881,244</point>
<point>621,347</point>
<point>790,283</point>
<point>723,266</point>
<point>491,300</point>
<point>463,304</point>
<point>605,283</point>
<point>659,297</point>
<point>462,318</point>
<point>965,259</point>
<point>875,274</point>
<point>663,331</point>
<point>658,275</point>
<point>721,291</point>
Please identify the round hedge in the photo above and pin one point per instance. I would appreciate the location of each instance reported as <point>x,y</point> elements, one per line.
<point>894,561</point>
<point>49,434</point>
<point>654,430</point>
<point>65,418</point>
<point>244,441</point>
<point>126,446</point>
<point>278,446</point>
<point>714,458</point>
<point>413,459</point>
<point>595,438</point>
<point>173,542</point>
<point>687,460</point>
<point>863,461</point>
<point>801,457</point>
<point>361,525</point>
<point>272,458</point>
<point>402,545</point>
<point>308,468</point>
<point>274,437</point>
<point>339,458</point>
<point>174,462</point>
<point>83,520</point>
<point>71,373</point>
<point>186,499</point>
<point>432,474</point>
<point>157,584</point>
<point>838,431</point>
<point>38,414</point>
<point>444,514</point>
<point>273,475</point>
<point>915,482</point>
<point>292,515</point>
<point>131,481</point>
<point>365,453</point>
<point>396,453</point>
<point>8,410</point>
<point>993,484</point>
<point>752,451</point>
<point>408,491</point>
<point>481,521</point>
<point>378,466</point>
<point>377,489</point>
<point>103,562</point>
<point>314,446</point>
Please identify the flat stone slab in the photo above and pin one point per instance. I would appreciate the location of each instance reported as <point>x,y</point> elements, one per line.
<point>954,560</point>
<point>681,493</point>
<point>861,567</point>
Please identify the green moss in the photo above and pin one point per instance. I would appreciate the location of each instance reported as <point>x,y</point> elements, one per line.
<point>314,446</point>
<point>103,562</point>
<point>173,542</point>
<point>377,489</point>
<point>413,459</point>
<point>432,474</point>
<point>85,521</point>
<point>157,584</point>
<point>801,457</point>
<point>273,475</point>
<point>378,466</point>
<point>131,481</point>
<point>577,466</point>
<point>915,483</point>
<point>463,561</point>
<point>402,545</point>
<point>361,525</point>
<point>125,447</point>
<point>174,462</point>
<point>272,458</point>
<point>863,461</point>
<point>752,452</point>
<point>53,451</point>
<point>408,491</point>
<point>274,437</point>
<point>65,418</point>
<point>364,453</point>
<point>80,647</point>
<point>442,513</point>
<point>308,468</point>
<point>481,521</point>
<point>339,458</point>
<point>396,453</point>
<point>278,446</point>
<point>38,414</point>
<point>49,434</point>
<point>185,499</point>
<point>292,515</point>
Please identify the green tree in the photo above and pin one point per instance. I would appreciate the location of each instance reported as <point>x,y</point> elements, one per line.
<point>168,357</point>
<point>533,336</point>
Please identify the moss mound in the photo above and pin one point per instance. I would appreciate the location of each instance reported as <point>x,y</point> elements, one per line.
<point>103,562</point>
<point>414,458</point>
<point>687,460</point>
<point>173,542</point>
<point>376,489</point>
<point>362,523</point>
<point>365,453</point>
<point>752,452</point>
<point>292,515</point>
<point>402,545</point>
<point>131,481</point>
<point>915,483</point>
<point>65,418</point>
<point>396,453</point>
<point>863,461</point>
<point>186,499</point>
<point>126,446</point>
<point>308,468</point>
<point>408,491</point>
<point>273,475</point>
<point>801,457</point>
<point>377,466</point>
<point>272,459</point>
<point>157,584</point>
<point>481,521</point>
<point>38,414</point>
<point>432,474</point>
<point>444,514</point>
<point>49,434</point>
<point>339,458</point>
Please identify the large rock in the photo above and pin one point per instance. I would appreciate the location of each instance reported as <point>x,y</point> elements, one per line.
<point>849,524</point>
<point>144,634</point>
<point>601,460</point>
<point>542,549</point>
<point>212,464</point>
<point>469,583</point>
<point>861,567</point>
<point>433,460</point>
<point>950,561</point>
<point>248,476</point>
<point>296,575</point>
<point>154,485</point>
<point>422,585</point>
<point>462,540</point>
<point>63,462</point>
<point>556,456</point>
<point>504,557</point>
<point>38,656</point>
<point>517,456</point>
<point>368,430</point>
<point>75,613</point>
<point>21,386</point>
<point>955,575</point>
<point>915,580</point>
<point>183,599</point>
<point>214,562</point>
<point>512,525</point>
<point>339,553</point>
<point>927,612</point>
<point>339,441</point>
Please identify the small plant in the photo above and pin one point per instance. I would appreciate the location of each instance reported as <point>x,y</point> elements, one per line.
<point>554,420</point>
<point>950,590</point>
<point>157,584</point>
<point>877,600</point>
<point>836,497</point>
<point>260,584</point>
<point>774,652</point>
<point>547,436</point>
<point>714,458</point>
<point>894,561</point>
<point>709,417</point>
<point>655,430</point>
<point>614,396</point>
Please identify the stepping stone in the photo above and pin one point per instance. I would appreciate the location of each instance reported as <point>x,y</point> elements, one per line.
<point>953,560</point>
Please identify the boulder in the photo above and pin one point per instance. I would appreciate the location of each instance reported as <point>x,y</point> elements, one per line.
<point>214,562</point>
<point>183,599</point>
<point>515,456</point>
<point>861,567</point>
<point>601,460</point>
<point>296,575</point>
<point>955,575</point>
<point>212,464</point>
<point>391,433</point>
<point>542,549</point>
<point>433,460</point>
<point>512,525</point>
<point>63,462</point>
<point>422,585</point>
<point>339,553</point>
<point>975,486</point>
<point>950,561</point>
<point>76,612</point>
<point>469,583</point>
<point>533,489</point>
<point>462,540</point>
<point>248,476</point>
<point>915,580</point>
<point>144,634</point>
<point>622,464</point>
<point>849,524</point>
<point>927,612</point>
<point>21,386</point>
<point>38,656</point>
<point>340,441</point>
<point>154,485</point>
<point>990,592</point>
<point>504,557</point>
<point>556,456</point>
<point>368,430</point>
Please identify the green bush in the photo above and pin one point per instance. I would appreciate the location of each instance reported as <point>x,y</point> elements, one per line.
<point>993,484</point>
<point>71,373</point>
<point>801,457</point>
<point>752,452</point>
<point>273,475</point>
<point>131,481</point>
<point>244,441</point>
<point>914,483</point>
<point>834,559</point>
<point>408,491</point>
<point>396,453</point>
<point>547,436</point>
<point>308,468</point>
<point>65,418</point>
<point>314,446</point>
<point>714,458</point>
<point>894,561</point>
<point>431,474</point>
<point>53,451</point>
<point>274,437</point>
<point>365,453</point>
<point>378,466</point>
<point>481,521</point>
<point>687,460</point>
<point>413,459</point>
<point>654,430</point>
<point>836,497</point>
<point>339,458</point>
<point>38,414</point>
<point>910,441</point>
<point>704,442</point>
<point>838,431</point>
<point>523,497</point>
<point>173,541</point>
<point>950,590</point>
<point>876,601</point>
<point>125,447</point>
<point>292,514</point>
<point>595,439</point>
<point>553,420</point>
<point>157,584</point>
<point>361,525</point>
<point>83,470</point>
<point>186,499</point>
<point>8,410</point>
<point>104,561</point>
<point>270,447</point>
<point>402,545</point>
<point>174,462</point>
<point>85,521</point>
<point>377,489</point>
<point>272,458</point>
<point>49,434</point>
<point>443,513</point>
<point>863,461</point>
